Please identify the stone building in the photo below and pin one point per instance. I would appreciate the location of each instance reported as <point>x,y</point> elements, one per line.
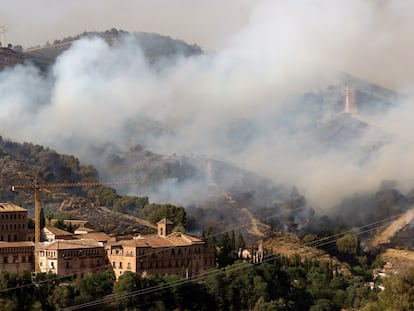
<point>50,233</point>
<point>72,257</point>
<point>16,239</point>
<point>16,257</point>
<point>13,226</point>
<point>166,252</point>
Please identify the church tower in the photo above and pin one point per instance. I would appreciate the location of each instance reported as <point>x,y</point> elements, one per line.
<point>165,227</point>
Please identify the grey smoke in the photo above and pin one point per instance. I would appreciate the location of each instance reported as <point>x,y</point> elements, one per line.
<point>234,104</point>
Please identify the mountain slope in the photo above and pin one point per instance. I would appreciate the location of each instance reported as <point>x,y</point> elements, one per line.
<point>155,47</point>
<point>21,162</point>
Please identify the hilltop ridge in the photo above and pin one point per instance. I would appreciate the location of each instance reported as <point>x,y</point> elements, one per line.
<point>154,47</point>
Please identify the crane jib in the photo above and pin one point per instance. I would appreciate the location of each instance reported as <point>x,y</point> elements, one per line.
<point>71,185</point>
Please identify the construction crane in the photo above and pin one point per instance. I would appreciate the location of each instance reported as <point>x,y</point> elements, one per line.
<point>37,187</point>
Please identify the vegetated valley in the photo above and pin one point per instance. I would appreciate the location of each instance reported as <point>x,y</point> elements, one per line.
<point>352,253</point>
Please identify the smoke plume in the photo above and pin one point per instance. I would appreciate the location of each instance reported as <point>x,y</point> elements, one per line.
<point>243,103</point>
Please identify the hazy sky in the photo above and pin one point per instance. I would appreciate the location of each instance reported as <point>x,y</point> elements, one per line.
<point>207,23</point>
<point>374,35</point>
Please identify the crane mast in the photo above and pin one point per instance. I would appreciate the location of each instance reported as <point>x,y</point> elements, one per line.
<point>37,187</point>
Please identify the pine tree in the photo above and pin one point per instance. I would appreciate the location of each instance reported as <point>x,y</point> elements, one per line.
<point>42,218</point>
<point>241,244</point>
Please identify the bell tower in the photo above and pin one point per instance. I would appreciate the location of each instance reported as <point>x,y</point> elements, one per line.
<point>164,227</point>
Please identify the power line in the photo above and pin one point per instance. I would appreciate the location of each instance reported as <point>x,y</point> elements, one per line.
<point>317,243</point>
<point>139,256</point>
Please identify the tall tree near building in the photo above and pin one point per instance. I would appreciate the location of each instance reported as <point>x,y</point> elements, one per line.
<point>241,244</point>
<point>232,240</point>
<point>42,218</point>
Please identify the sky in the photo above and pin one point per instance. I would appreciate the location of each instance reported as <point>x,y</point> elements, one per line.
<point>231,103</point>
<point>207,23</point>
<point>376,35</point>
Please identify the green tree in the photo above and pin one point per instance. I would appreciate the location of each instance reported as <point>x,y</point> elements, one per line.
<point>243,289</point>
<point>127,283</point>
<point>226,254</point>
<point>61,298</point>
<point>263,305</point>
<point>60,224</point>
<point>42,218</point>
<point>209,238</point>
<point>49,217</point>
<point>92,286</point>
<point>232,240</point>
<point>348,244</point>
<point>241,244</point>
<point>8,304</point>
<point>130,204</point>
<point>155,212</point>
<point>399,292</point>
<point>30,223</point>
<point>322,305</point>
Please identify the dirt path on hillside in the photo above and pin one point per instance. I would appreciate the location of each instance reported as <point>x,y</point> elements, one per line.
<point>398,224</point>
<point>255,224</point>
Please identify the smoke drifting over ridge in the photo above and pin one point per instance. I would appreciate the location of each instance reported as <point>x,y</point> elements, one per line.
<point>234,104</point>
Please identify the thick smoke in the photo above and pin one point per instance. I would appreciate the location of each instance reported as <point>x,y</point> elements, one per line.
<point>235,104</point>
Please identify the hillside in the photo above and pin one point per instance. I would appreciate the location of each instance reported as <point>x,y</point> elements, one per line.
<point>291,246</point>
<point>10,58</point>
<point>20,162</point>
<point>248,168</point>
<point>155,47</point>
<point>214,192</point>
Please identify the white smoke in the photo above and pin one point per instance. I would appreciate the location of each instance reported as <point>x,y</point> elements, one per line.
<point>232,104</point>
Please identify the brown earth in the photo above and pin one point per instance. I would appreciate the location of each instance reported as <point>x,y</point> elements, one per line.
<point>289,245</point>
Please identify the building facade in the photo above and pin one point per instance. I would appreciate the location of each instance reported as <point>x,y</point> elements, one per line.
<point>16,239</point>
<point>49,234</point>
<point>13,226</point>
<point>166,252</point>
<point>72,257</point>
<point>16,257</point>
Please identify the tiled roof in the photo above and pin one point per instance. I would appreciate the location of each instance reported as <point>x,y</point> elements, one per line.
<point>70,244</point>
<point>16,244</point>
<point>84,229</point>
<point>97,236</point>
<point>165,221</point>
<point>155,241</point>
<point>10,207</point>
<point>57,231</point>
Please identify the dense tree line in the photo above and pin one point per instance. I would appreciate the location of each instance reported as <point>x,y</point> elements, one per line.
<point>282,283</point>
